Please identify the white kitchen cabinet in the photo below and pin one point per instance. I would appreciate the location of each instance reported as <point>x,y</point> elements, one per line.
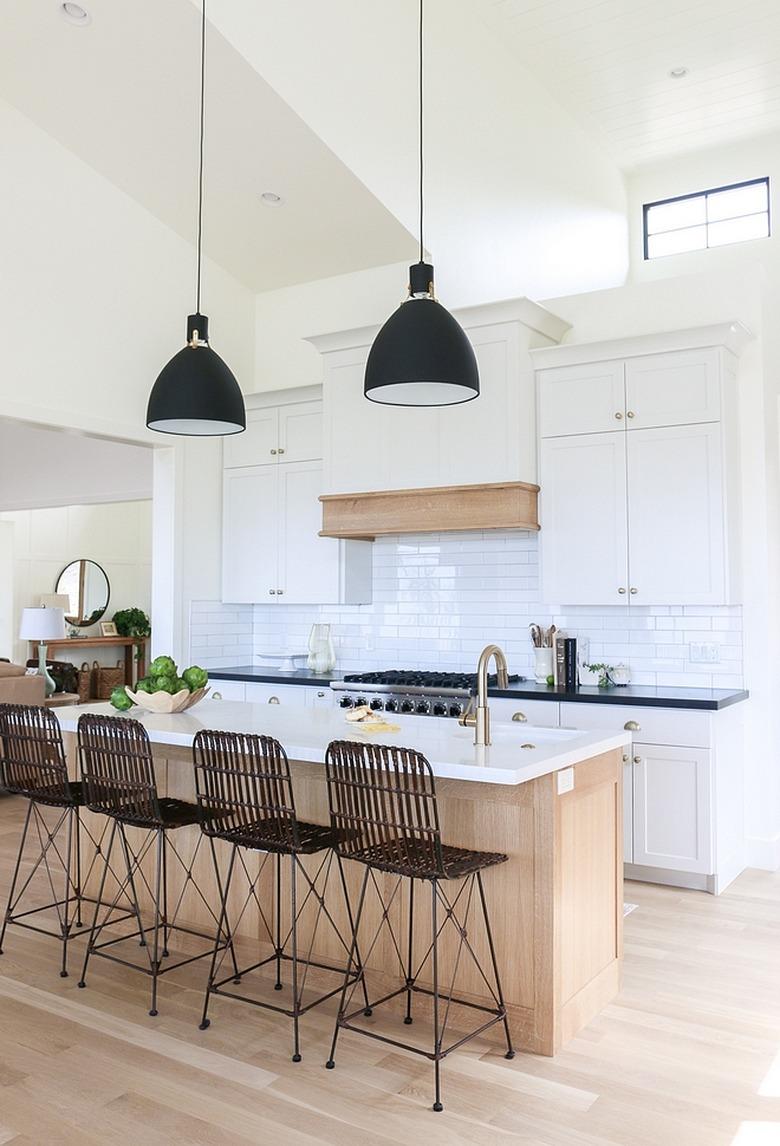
<point>264,693</point>
<point>584,520</point>
<point>628,809</point>
<point>676,500</point>
<point>227,689</point>
<point>538,713</point>
<point>588,398</point>
<point>271,550</point>
<point>672,813</point>
<point>274,435</point>
<point>674,389</point>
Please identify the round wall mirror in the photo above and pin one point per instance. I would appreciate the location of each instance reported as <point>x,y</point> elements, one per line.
<point>86,585</point>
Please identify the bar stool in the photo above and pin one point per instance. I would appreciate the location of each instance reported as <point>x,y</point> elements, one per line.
<point>119,782</point>
<point>245,795</point>
<point>384,815</point>
<point>33,764</point>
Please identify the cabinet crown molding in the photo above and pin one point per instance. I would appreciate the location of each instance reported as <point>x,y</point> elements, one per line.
<point>732,336</point>
<point>539,320</point>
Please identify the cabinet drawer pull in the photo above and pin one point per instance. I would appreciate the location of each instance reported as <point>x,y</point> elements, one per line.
<point>632,726</point>
<point>630,414</point>
<point>273,699</point>
<point>520,717</point>
<point>281,451</point>
<point>619,416</point>
<point>272,592</point>
<point>633,590</point>
<point>621,589</point>
<point>637,759</point>
<point>280,592</point>
<point>216,696</point>
<point>273,451</point>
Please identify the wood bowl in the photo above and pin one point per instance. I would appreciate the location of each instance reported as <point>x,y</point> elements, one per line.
<point>164,702</point>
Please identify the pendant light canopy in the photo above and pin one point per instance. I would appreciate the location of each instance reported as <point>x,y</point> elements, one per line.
<point>421,356</point>
<point>196,394</point>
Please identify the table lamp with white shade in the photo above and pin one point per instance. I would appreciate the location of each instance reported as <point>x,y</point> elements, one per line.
<point>43,625</point>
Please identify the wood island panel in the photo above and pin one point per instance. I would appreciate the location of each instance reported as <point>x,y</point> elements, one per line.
<point>555,906</point>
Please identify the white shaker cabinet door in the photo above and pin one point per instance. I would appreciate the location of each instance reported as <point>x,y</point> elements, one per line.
<point>628,807</point>
<point>300,432</point>
<point>587,398</point>
<point>583,538</point>
<point>258,445</point>
<point>673,389</point>
<point>677,553</point>
<point>672,818</point>
<point>308,564</point>
<point>249,534</point>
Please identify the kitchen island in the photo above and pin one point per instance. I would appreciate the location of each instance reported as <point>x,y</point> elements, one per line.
<point>550,799</point>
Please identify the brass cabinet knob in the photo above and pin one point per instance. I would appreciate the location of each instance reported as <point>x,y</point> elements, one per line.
<point>272,592</point>
<point>637,759</point>
<point>320,694</point>
<point>273,699</point>
<point>619,416</point>
<point>633,590</point>
<point>520,717</point>
<point>630,414</point>
<point>273,451</point>
<point>625,758</point>
<point>632,726</point>
<point>280,592</point>
<point>281,451</point>
<point>621,589</point>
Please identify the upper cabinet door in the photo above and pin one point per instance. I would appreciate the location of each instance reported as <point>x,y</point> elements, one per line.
<point>676,389</point>
<point>300,432</point>
<point>250,544</point>
<point>677,551</point>
<point>258,444</point>
<point>584,535</point>
<point>585,399</point>
<point>308,564</point>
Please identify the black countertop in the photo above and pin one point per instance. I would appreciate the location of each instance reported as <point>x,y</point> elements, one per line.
<point>650,696</point>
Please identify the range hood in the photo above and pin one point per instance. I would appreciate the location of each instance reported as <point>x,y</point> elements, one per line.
<point>438,509</point>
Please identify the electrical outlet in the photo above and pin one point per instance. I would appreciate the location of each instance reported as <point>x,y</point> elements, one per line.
<point>565,780</point>
<point>705,654</point>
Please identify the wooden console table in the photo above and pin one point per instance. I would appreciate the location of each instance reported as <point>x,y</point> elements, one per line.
<point>129,644</point>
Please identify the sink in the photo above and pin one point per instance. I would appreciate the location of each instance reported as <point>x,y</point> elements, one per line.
<point>523,734</point>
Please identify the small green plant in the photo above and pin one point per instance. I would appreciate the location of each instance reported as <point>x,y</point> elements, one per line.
<point>132,623</point>
<point>605,673</point>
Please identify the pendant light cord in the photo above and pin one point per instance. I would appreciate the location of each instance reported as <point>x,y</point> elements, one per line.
<point>422,248</point>
<point>200,156</point>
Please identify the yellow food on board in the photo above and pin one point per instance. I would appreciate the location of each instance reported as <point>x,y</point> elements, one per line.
<point>365,720</point>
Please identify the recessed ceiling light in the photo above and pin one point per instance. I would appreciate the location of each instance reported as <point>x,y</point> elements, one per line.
<point>678,73</point>
<point>75,14</point>
<point>271,199</point>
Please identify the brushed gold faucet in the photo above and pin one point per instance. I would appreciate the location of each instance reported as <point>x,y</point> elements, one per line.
<point>479,718</point>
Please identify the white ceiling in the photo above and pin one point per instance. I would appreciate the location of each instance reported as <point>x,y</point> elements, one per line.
<point>122,95</point>
<point>608,62</point>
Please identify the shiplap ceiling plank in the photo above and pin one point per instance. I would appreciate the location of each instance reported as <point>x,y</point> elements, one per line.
<point>609,61</point>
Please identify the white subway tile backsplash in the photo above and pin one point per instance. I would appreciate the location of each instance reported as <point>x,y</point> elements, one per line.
<point>438,599</point>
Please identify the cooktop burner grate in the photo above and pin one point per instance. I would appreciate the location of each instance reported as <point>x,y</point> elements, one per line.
<point>413,678</point>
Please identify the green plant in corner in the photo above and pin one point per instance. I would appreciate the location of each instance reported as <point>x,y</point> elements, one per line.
<point>133,623</point>
<point>605,673</point>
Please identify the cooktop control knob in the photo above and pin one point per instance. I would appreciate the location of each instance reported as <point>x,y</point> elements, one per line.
<point>391,706</point>
<point>346,702</point>
<point>407,706</point>
<point>423,707</point>
<point>440,709</point>
<point>456,709</point>
<point>376,704</point>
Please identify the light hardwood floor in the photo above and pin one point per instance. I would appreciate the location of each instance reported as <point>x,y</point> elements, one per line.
<point>688,1055</point>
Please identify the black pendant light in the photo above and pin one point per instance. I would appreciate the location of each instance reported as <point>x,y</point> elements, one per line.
<point>421,356</point>
<point>197,394</point>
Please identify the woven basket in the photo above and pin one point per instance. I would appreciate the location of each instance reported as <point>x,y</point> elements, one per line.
<point>107,679</point>
<point>84,685</point>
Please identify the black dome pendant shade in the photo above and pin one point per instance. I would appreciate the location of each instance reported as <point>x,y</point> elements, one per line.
<point>196,394</point>
<point>422,355</point>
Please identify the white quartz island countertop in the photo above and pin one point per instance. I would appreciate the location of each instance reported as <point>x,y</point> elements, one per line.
<point>519,752</point>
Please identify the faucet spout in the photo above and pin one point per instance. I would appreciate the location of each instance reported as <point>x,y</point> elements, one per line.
<point>479,720</point>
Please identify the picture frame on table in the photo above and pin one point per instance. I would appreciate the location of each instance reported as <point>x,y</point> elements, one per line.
<point>108,629</point>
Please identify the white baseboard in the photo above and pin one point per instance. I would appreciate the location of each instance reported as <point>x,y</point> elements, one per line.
<point>763,852</point>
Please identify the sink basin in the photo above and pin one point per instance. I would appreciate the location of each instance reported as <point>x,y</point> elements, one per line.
<point>523,734</point>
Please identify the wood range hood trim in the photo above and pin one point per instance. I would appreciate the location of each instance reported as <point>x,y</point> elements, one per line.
<point>436,509</point>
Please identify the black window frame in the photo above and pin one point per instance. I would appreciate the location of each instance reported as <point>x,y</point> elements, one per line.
<point>646,207</point>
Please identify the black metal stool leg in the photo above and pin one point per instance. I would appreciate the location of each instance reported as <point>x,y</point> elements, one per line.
<point>15,878</point>
<point>165,900</point>
<point>278,983</point>
<point>66,921</point>
<point>98,901</point>
<point>330,1064</point>
<point>510,1051</point>
<point>224,890</point>
<point>368,1011</point>
<point>157,907</point>
<point>294,918</point>
<point>437,1105</point>
<point>79,889</point>
<point>410,956</point>
<point>131,883</point>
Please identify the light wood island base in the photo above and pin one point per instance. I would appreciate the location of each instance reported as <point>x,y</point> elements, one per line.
<point>556,905</point>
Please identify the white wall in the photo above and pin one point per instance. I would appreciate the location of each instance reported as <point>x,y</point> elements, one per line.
<point>118,537</point>
<point>42,467</point>
<point>94,293</point>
